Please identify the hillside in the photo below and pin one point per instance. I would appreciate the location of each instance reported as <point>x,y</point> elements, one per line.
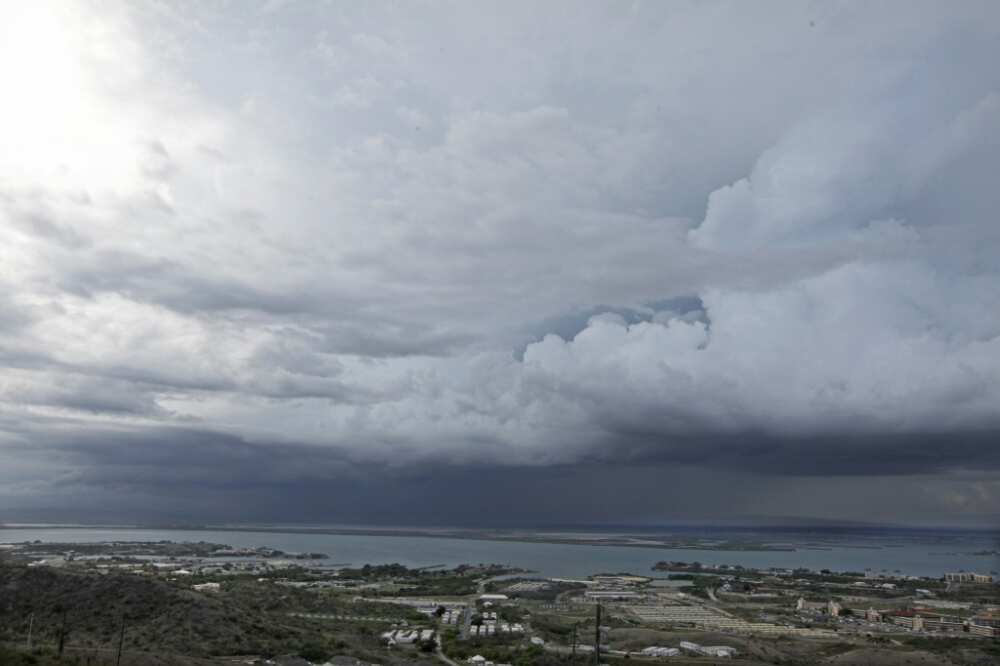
<point>166,617</point>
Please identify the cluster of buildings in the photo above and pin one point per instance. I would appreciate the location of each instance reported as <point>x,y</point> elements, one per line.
<point>706,617</point>
<point>614,588</point>
<point>453,616</point>
<point>493,625</point>
<point>919,618</point>
<point>986,624</point>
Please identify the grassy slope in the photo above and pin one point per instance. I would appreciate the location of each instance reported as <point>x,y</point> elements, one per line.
<point>160,615</point>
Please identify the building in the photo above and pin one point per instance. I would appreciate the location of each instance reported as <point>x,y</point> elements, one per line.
<point>988,619</point>
<point>967,577</point>
<point>401,637</point>
<point>708,650</point>
<point>945,624</point>
<point>718,651</point>
<point>870,615</point>
<point>984,630</point>
<point>908,619</point>
<point>656,651</point>
<point>206,587</point>
<point>803,605</point>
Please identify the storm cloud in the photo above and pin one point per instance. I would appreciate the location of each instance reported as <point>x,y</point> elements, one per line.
<point>382,251</point>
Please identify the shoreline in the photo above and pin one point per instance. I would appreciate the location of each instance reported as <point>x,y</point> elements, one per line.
<point>412,533</point>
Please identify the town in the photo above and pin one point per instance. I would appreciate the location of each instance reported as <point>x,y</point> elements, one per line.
<point>316,610</point>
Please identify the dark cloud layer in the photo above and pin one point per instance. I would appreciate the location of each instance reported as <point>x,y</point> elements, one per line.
<point>277,256</point>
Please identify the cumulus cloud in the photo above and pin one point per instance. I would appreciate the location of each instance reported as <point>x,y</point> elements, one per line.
<point>715,235</point>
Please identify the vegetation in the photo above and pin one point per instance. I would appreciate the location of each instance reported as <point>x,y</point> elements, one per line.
<point>441,585</point>
<point>553,627</point>
<point>951,646</point>
<point>549,593</point>
<point>494,648</point>
<point>41,657</point>
<point>168,617</point>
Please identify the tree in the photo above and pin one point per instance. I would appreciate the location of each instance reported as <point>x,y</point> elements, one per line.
<point>314,652</point>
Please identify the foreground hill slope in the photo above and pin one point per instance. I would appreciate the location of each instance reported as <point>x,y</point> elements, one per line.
<point>159,615</point>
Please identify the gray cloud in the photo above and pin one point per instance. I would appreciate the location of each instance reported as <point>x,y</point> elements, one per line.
<point>331,242</point>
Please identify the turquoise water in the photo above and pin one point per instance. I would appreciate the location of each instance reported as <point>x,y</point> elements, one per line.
<point>924,555</point>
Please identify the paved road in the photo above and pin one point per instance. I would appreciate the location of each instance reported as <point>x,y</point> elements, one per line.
<point>466,622</point>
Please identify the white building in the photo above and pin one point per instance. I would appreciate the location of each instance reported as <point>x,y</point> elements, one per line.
<point>723,651</point>
<point>206,587</point>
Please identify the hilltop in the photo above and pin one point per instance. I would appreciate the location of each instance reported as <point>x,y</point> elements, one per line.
<point>167,617</point>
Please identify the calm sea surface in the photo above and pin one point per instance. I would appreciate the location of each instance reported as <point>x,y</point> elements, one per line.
<point>926,554</point>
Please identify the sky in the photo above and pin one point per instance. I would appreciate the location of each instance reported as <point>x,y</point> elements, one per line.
<point>500,262</point>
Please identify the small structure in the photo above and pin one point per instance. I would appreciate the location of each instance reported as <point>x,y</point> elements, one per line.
<point>401,637</point>
<point>207,587</point>
<point>723,651</point>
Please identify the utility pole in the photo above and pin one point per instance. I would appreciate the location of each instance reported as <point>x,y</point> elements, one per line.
<point>62,633</point>
<point>31,626</point>
<point>121,641</point>
<point>574,642</point>
<point>597,637</point>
